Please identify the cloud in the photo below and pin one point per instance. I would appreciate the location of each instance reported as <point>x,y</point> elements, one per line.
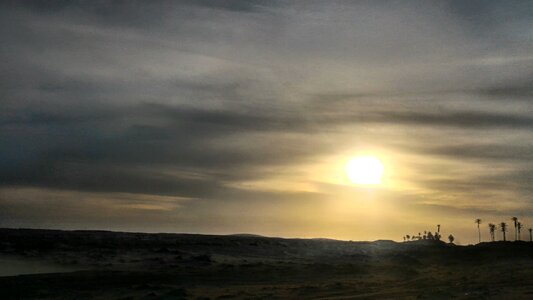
<point>463,119</point>
<point>196,99</point>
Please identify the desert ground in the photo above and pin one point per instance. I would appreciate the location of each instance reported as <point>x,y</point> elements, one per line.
<point>53,264</point>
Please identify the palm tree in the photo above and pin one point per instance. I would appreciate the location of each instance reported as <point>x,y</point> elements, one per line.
<point>478,221</point>
<point>530,236</point>
<point>503,227</point>
<point>515,221</point>
<point>451,238</point>
<point>438,228</point>
<point>519,227</point>
<point>492,228</point>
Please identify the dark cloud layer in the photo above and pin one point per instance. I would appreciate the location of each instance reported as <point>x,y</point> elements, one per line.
<point>196,99</point>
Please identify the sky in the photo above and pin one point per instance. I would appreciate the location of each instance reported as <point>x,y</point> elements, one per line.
<point>225,117</point>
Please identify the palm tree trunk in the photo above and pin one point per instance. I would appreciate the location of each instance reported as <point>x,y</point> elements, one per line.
<point>479,233</point>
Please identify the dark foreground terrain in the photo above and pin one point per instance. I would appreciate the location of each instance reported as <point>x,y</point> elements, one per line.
<point>112,265</point>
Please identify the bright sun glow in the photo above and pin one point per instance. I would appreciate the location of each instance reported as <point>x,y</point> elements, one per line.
<point>365,170</point>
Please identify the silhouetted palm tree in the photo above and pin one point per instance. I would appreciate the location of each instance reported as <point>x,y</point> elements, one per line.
<point>515,221</point>
<point>530,236</point>
<point>492,228</point>
<point>438,228</point>
<point>408,237</point>
<point>478,221</point>
<point>519,227</point>
<point>451,239</point>
<point>503,227</point>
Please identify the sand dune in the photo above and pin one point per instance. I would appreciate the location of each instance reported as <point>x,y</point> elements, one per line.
<point>113,265</point>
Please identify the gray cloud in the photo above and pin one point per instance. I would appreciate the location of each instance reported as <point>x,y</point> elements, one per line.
<point>463,119</point>
<point>196,98</point>
<point>487,152</point>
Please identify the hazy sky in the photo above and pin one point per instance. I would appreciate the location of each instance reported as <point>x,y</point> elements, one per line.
<point>239,116</point>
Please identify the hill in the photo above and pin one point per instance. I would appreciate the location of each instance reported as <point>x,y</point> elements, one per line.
<point>118,265</point>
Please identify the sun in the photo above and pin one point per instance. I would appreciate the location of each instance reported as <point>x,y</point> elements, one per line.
<point>366,170</point>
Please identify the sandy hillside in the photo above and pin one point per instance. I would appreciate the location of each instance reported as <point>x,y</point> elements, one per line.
<point>112,265</point>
